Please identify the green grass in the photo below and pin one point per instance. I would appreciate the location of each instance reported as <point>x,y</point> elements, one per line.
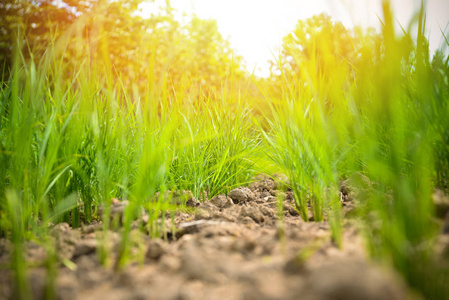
<point>68,145</point>
<point>386,118</point>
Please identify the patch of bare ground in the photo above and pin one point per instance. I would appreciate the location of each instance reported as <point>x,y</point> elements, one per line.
<point>229,247</point>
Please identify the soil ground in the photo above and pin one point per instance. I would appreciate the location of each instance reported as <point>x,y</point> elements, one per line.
<point>229,247</point>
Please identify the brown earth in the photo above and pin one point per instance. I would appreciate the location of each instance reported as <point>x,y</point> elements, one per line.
<point>229,247</point>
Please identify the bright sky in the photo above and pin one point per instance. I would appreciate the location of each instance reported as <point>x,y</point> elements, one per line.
<point>255,27</point>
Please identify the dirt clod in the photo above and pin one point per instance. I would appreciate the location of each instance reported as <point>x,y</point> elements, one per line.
<point>241,195</point>
<point>156,249</point>
<point>441,202</point>
<point>252,212</point>
<point>84,247</point>
<point>221,201</point>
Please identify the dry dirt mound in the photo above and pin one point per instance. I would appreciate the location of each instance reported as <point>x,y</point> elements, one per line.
<point>231,247</point>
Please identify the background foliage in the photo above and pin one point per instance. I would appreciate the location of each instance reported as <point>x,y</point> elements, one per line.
<point>190,58</point>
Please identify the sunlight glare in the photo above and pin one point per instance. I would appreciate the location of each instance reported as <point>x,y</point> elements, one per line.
<point>255,27</point>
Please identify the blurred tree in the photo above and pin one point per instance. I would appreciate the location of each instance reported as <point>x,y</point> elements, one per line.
<point>155,51</point>
<point>318,40</point>
<point>12,13</point>
<point>322,57</point>
<point>38,21</point>
<point>205,61</point>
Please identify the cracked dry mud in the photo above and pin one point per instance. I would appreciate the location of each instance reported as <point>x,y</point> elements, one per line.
<point>229,247</point>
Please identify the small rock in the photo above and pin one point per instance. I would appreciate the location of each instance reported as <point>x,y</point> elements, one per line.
<point>221,201</point>
<point>248,221</point>
<point>291,210</point>
<point>85,247</point>
<point>252,212</point>
<point>241,195</point>
<point>267,211</point>
<point>225,217</point>
<point>156,249</point>
<point>60,228</point>
<point>269,199</point>
<point>202,214</point>
<point>231,214</point>
<point>441,202</point>
<point>91,228</point>
<point>214,232</point>
<point>192,202</point>
<point>244,246</point>
<point>196,226</point>
<point>265,194</point>
<point>205,211</point>
<point>65,240</point>
<point>446,224</point>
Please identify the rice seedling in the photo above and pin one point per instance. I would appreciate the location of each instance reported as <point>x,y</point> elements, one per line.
<point>77,133</point>
<point>329,125</point>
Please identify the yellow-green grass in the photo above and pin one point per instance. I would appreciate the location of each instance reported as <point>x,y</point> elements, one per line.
<point>69,144</point>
